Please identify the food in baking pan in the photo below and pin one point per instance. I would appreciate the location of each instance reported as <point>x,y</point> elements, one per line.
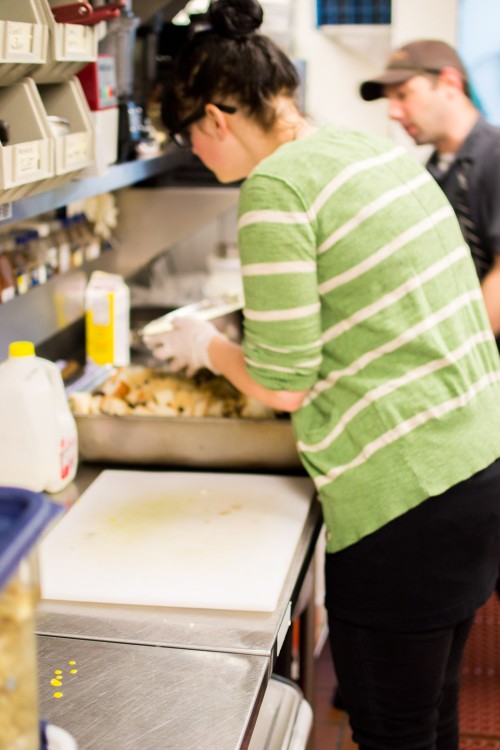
<point>146,391</point>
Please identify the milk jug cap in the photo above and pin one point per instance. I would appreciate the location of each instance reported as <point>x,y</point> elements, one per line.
<point>21,349</point>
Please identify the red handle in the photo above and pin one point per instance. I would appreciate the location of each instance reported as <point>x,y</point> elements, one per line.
<point>72,13</point>
<point>104,13</point>
<point>83,12</point>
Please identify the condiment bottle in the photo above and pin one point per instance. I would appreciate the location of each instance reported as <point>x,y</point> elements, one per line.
<point>17,251</point>
<point>61,240</point>
<point>75,242</point>
<point>46,246</point>
<point>90,241</point>
<point>36,257</point>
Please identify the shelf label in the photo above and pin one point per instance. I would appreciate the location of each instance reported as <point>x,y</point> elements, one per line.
<point>77,40</point>
<point>19,39</point>
<point>27,161</point>
<point>76,148</point>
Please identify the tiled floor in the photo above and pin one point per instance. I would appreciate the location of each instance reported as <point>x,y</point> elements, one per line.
<point>479,697</point>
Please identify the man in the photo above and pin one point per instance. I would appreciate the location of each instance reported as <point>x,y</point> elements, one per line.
<point>426,86</point>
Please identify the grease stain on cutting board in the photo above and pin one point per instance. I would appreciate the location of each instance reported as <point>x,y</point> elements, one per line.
<point>143,519</point>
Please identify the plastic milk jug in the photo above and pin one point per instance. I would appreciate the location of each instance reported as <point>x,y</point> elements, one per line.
<point>107,319</point>
<point>38,435</point>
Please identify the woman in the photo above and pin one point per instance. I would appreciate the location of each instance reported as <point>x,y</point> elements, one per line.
<point>363,319</point>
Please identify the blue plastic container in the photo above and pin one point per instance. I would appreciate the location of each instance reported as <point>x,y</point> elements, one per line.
<point>23,517</point>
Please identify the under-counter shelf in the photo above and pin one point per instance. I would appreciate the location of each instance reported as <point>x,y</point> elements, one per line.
<point>118,176</point>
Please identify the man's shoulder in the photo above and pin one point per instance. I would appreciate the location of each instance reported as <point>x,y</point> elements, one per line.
<point>488,128</point>
<point>484,139</point>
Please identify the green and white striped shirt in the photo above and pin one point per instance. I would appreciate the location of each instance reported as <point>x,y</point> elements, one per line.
<point>360,288</point>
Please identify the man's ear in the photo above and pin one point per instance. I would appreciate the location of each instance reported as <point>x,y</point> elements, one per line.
<point>452,77</point>
<point>216,121</point>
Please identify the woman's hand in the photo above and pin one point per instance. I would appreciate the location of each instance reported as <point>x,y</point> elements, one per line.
<point>195,343</point>
<point>186,345</point>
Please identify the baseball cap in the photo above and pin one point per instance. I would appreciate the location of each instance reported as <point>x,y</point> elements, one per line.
<point>423,56</point>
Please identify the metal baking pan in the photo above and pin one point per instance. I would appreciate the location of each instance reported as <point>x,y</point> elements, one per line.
<point>196,442</point>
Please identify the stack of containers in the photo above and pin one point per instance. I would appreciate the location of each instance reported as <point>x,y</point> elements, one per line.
<point>70,47</point>
<point>26,156</point>
<point>23,517</point>
<point>39,59</point>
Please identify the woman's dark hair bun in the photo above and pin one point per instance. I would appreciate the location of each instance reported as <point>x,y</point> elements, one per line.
<point>235,19</point>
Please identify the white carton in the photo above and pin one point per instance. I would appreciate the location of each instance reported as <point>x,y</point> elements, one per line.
<point>107,319</point>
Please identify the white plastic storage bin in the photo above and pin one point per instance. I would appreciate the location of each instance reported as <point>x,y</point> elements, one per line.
<point>105,124</point>
<point>24,38</point>
<point>74,149</point>
<point>28,158</point>
<point>70,47</point>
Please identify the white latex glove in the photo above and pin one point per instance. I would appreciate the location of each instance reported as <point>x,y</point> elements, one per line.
<point>186,346</point>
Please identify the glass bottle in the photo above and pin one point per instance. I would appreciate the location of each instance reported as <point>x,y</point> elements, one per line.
<point>89,237</point>
<point>16,247</point>
<point>36,257</point>
<point>46,245</point>
<point>75,242</point>
<point>61,241</point>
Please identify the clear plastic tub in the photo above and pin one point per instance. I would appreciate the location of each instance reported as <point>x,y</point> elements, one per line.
<point>23,516</point>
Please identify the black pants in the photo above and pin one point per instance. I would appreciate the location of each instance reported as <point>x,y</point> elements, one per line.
<point>400,689</point>
<point>400,606</point>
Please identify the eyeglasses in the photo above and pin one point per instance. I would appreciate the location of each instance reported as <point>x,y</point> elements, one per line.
<point>182,136</point>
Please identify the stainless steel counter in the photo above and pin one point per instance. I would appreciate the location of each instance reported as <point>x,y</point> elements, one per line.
<point>125,697</point>
<point>203,687</point>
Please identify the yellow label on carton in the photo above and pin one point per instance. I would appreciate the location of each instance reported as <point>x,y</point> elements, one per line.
<point>99,329</point>
<point>107,319</point>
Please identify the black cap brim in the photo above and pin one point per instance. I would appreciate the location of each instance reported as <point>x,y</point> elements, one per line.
<point>374,89</point>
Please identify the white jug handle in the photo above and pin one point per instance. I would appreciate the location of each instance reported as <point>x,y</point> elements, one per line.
<point>55,377</point>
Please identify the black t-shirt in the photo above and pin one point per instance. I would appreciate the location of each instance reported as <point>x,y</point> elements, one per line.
<point>432,567</point>
<point>478,160</point>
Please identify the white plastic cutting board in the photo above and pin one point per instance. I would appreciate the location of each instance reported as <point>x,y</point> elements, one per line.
<point>177,539</point>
